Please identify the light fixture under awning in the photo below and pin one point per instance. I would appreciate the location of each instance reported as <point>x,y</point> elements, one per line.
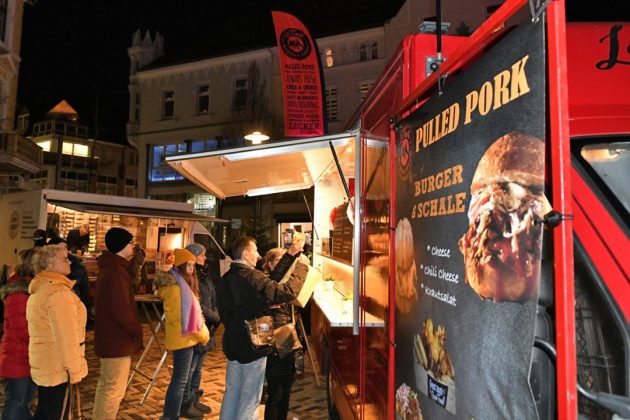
<point>134,211</point>
<point>288,165</point>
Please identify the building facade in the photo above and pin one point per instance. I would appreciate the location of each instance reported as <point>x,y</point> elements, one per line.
<point>214,102</point>
<point>74,162</point>
<point>18,156</point>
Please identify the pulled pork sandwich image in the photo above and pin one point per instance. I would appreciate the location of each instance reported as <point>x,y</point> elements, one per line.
<point>502,247</point>
<point>430,352</point>
<point>406,276</point>
<point>407,405</point>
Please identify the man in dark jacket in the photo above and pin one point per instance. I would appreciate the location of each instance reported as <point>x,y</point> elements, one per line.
<point>79,239</point>
<point>246,293</point>
<point>117,328</point>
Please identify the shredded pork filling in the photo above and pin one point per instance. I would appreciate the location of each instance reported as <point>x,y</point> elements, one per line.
<point>501,219</point>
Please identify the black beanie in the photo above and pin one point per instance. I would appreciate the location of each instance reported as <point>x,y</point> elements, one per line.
<point>39,237</point>
<point>116,239</point>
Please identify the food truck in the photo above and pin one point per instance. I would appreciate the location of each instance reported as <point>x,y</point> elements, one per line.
<point>471,230</point>
<point>158,226</point>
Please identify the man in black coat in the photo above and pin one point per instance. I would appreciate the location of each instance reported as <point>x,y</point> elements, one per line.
<point>246,293</point>
<point>79,239</point>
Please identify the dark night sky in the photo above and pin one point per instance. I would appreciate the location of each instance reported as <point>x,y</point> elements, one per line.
<point>77,49</point>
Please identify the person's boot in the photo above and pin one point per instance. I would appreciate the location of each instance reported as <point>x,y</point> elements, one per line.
<point>189,411</point>
<point>198,404</point>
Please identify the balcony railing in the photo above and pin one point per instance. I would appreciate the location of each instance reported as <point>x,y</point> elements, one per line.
<point>19,152</point>
<point>60,127</point>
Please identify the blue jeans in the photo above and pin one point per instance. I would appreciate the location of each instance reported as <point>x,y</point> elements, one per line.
<point>195,374</point>
<point>18,393</point>
<point>178,394</point>
<point>243,389</point>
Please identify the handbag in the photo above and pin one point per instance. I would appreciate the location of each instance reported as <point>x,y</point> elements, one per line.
<point>259,331</point>
<point>286,339</point>
<point>261,334</point>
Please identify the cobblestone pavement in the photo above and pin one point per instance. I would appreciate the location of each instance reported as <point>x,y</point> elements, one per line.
<point>308,401</point>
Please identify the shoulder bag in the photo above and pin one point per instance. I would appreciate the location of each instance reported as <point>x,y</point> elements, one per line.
<point>259,330</point>
<point>286,339</point>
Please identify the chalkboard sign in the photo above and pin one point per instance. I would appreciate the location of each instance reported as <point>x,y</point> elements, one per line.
<point>343,233</point>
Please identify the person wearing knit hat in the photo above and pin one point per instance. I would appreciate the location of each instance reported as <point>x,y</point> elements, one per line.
<point>182,256</point>
<point>208,301</point>
<point>116,239</point>
<point>39,238</point>
<point>117,328</point>
<point>185,330</point>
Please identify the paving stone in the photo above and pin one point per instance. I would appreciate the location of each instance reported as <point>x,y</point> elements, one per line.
<point>308,401</point>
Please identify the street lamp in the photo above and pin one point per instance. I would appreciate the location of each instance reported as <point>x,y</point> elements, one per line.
<point>256,137</point>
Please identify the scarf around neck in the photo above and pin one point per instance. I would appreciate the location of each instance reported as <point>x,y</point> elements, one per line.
<point>192,319</point>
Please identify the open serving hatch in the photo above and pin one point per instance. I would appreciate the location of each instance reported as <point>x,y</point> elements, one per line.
<point>287,165</point>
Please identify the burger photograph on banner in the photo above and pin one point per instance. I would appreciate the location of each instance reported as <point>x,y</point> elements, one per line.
<point>468,241</point>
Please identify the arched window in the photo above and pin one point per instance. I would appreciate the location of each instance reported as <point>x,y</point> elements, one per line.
<point>330,59</point>
<point>374,49</point>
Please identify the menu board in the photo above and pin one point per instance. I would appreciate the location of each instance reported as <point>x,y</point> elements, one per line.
<point>343,234</point>
<point>469,205</point>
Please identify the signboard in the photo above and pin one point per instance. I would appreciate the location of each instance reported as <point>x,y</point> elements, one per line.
<point>469,202</point>
<point>301,78</point>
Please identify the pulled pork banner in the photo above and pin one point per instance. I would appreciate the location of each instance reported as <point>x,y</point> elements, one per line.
<point>301,78</point>
<point>470,167</point>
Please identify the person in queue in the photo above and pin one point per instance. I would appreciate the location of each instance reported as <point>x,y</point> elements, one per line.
<point>117,327</point>
<point>279,373</point>
<point>39,238</point>
<point>56,326</point>
<point>19,388</point>
<point>245,293</point>
<point>78,273</point>
<point>185,328</point>
<point>208,301</point>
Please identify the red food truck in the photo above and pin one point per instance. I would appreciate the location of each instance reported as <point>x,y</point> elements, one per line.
<point>472,231</point>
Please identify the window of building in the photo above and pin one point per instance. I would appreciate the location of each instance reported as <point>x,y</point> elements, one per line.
<point>168,104</point>
<point>332,104</point>
<point>374,49</point>
<point>364,88</point>
<point>136,107</point>
<point>197,146</point>
<point>362,52</point>
<point>4,11</point>
<point>329,59</point>
<point>159,170</point>
<point>240,93</point>
<point>203,98</point>
<point>45,145</point>
<point>75,149</point>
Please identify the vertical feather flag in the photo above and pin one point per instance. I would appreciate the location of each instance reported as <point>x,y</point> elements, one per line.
<point>301,78</point>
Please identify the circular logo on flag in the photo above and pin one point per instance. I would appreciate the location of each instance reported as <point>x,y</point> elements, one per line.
<point>295,43</point>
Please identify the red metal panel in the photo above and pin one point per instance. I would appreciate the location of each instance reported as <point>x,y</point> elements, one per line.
<point>561,187</point>
<point>471,46</point>
<point>595,229</point>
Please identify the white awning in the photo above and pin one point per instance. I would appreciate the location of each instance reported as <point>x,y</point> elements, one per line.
<point>268,168</point>
<point>133,211</point>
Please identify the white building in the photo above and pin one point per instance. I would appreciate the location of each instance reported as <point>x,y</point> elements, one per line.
<point>213,102</point>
